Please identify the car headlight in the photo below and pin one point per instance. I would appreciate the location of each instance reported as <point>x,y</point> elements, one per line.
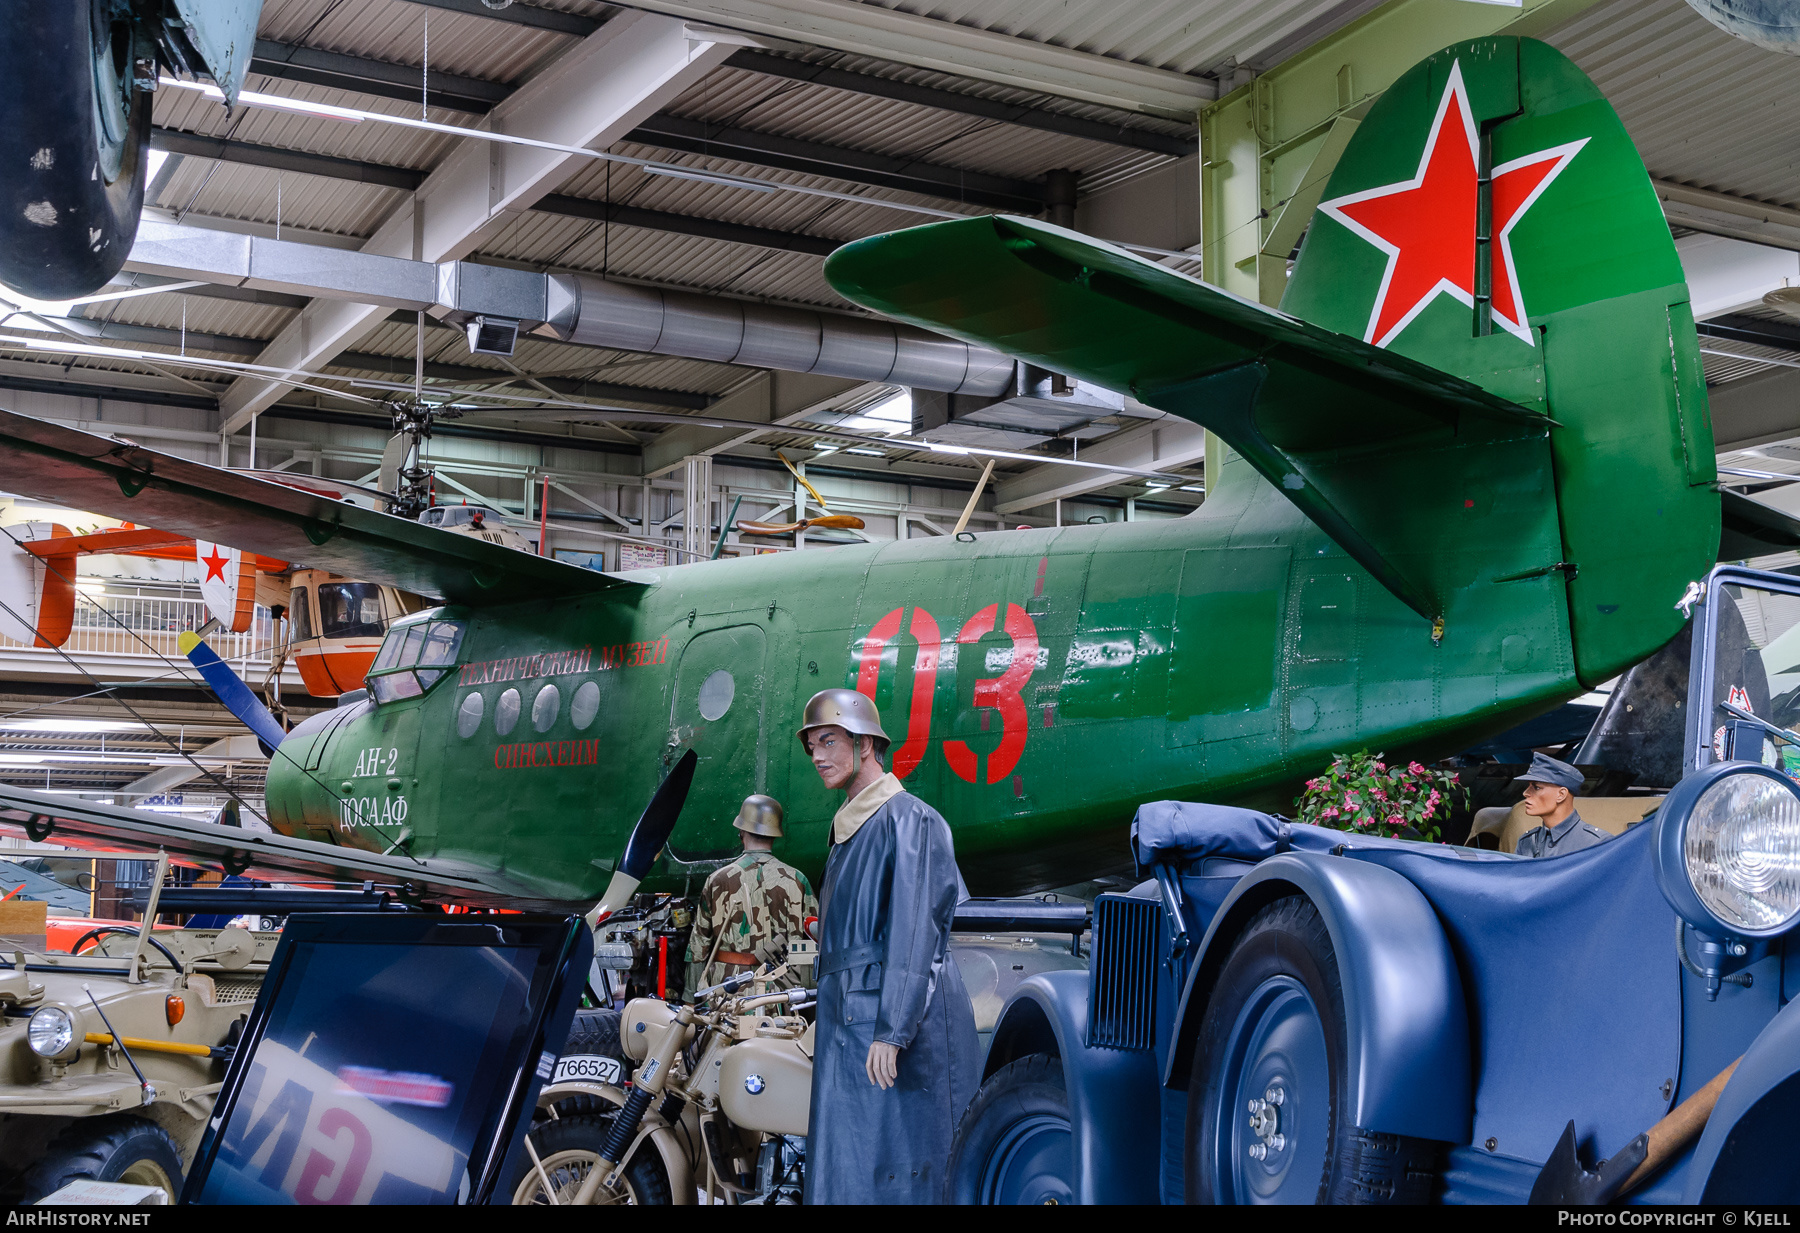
<point>51,1034</point>
<point>1728,850</point>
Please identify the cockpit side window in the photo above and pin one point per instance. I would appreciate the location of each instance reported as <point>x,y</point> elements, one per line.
<point>350,610</point>
<point>300,614</point>
<point>413,658</point>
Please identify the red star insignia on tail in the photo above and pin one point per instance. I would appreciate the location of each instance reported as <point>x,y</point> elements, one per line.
<point>215,565</point>
<point>1427,225</point>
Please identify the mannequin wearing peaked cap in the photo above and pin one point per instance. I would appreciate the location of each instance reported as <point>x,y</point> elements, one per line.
<point>1550,788</point>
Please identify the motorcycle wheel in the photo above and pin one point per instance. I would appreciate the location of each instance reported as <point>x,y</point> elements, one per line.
<point>568,1147</point>
<point>1013,1144</point>
<point>74,148</point>
<point>1265,1119</point>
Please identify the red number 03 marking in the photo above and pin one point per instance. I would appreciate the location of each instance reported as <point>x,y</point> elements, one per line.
<point>1004,693</point>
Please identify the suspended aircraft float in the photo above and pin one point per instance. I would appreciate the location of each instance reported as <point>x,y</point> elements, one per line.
<point>1464,474</point>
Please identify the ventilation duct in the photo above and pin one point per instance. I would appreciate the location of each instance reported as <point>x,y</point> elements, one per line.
<point>599,313</point>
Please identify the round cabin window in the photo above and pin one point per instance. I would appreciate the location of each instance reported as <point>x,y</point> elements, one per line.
<point>585,706</point>
<point>716,692</point>
<point>545,707</point>
<point>506,713</point>
<point>468,715</point>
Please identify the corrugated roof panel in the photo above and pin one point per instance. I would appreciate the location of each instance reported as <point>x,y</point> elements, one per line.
<point>1179,35</point>
<point>1703,108</point>
<point>231,190</point>
<point>465,44</point>
<point>203,314</point>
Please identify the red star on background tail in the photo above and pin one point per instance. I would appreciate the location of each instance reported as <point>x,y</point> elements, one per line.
<point>215,565</point>
<point>1427,225</point>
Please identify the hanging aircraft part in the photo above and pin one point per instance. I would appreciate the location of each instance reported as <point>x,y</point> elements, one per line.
<point>76,80</point>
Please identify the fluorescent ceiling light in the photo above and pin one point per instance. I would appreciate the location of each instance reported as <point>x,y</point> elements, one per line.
<point>867,453</point>
<point>7,759</point>
<point>70,725</point>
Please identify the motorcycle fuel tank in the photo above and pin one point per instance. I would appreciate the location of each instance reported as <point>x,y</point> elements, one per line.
<point>765,1084</point>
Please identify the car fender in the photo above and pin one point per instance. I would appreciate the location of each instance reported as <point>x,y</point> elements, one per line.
<point>1407,1023</point>
<point>1115,1147</point>
<point>1746,1153</point>
<point>675,1160</point>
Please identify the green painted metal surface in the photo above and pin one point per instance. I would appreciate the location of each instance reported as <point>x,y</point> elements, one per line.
<point>1405,546</point>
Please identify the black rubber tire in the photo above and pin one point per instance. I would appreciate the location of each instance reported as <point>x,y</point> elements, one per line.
<point>596,1031</point>
<point>1287,945</point>
<point>560,1146</point>
<point>1007,1148</point>
<point>116,1148</point>
<point>593,1031</point>
<point>65,224</point>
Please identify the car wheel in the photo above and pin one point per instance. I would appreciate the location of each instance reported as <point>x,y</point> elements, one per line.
<point>116,1148</point>
<point>1267,1101</point>
<point>74,147</point>
<point>567,1149</point>
<point>1013,1144</point>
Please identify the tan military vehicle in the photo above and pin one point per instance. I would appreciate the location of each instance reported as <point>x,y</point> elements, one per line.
<point>110,1059</point>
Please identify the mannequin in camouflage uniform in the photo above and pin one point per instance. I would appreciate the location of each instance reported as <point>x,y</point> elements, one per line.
<point>750,908</point>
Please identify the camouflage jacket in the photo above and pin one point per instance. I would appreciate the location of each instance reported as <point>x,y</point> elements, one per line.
<point>751,906</point>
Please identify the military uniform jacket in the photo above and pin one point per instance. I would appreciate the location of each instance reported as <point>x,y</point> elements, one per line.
<point>885,973</point>
<point>751,907</point>
<point>1569,835</point>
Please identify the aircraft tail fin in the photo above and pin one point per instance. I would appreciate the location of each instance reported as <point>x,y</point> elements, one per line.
<point>37,589</point>
<point>1485,370</point>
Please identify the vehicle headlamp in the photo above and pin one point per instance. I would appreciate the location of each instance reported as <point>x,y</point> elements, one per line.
<point>51,1034</point>
<point>1728,850</point>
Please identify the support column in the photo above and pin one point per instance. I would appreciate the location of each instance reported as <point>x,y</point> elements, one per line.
<point>1059,197</point>
<point>1268,148</point>
<point>696,507</point>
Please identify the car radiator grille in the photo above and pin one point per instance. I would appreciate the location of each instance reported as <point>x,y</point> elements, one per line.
<point>1122,997</point>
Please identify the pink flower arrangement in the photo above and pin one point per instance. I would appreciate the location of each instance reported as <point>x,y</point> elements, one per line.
<point>1362,792</point>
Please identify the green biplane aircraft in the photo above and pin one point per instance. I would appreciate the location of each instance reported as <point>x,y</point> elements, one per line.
<point>1464,474</point>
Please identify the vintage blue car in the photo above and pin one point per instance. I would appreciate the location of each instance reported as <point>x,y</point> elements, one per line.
<point>1282,1013</point>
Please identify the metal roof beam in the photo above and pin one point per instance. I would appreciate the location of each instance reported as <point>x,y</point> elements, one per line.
<point>250,154</point>
<point>595,93</point>
<point>520,15</point>
<point>858,166</point>
<point>1159,445</point>
<point>381,78</point>
<point>752,60</point>
<point>870,30</point>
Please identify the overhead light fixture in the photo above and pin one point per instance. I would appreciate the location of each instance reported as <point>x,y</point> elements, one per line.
<point>867,453</point>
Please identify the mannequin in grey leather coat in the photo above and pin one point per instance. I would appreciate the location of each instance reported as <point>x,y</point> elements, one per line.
<point>895,1060</point>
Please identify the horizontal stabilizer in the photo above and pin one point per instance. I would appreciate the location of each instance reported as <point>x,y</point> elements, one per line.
<point>1291,397</point>
<point>120,479</point>
<point>278,858</point>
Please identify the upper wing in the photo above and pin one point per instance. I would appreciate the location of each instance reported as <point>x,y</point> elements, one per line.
<point>275,857</point>
<point>121,479</point>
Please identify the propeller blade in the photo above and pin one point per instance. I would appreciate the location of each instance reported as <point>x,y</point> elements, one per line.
<point>836,522</point>
<point>829,522</point>
<point>648,837</point>
<point>769,528</point>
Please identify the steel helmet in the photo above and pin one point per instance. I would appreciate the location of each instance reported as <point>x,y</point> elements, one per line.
<point>760,815</point>
<point>854,712</point>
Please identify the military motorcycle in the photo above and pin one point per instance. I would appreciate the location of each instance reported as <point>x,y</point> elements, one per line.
<point>716,1110</point>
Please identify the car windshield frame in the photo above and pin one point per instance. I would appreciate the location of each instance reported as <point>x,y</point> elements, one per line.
<point>1698,752</point>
